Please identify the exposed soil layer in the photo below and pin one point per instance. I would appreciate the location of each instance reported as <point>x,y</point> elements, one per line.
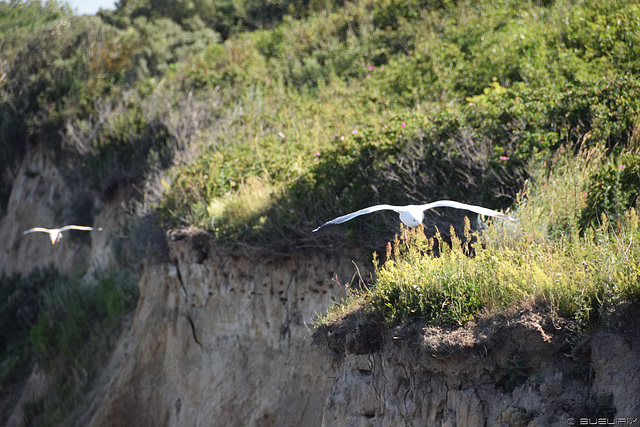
<point>523,368</point>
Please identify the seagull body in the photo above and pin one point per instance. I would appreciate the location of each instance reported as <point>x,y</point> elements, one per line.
<point>413,215</point>
<point>55,234</point>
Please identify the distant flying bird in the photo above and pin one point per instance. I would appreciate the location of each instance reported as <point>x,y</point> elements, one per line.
<point>55,234</point>
<point>413,215</point>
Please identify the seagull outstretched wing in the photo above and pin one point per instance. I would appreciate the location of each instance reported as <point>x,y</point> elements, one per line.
<point>364,211</point>
<point>37,229</point>
<point>55,234</point>
<point>457,205</point>
<point>76,227</point>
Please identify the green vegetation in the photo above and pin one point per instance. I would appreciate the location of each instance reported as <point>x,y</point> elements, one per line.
<point>21,298</point>
<point>514,374</point>
<point>386,104</point>
<point>260,126</point>
<point>66,325</point>
<point>583,274</point>
<point>601,406</point>
<point>73,316</point>
<point>259,121</point>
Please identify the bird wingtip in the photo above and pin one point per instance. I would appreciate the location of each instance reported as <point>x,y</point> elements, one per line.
<point>319,228</point>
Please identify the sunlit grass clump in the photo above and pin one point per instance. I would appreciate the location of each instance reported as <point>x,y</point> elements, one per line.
<point>580,278</point>
<point>579,273</point>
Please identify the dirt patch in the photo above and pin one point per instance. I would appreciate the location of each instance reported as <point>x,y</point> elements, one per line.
<point>533,325</point>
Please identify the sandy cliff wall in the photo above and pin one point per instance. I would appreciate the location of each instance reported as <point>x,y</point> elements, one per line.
<point>220,337</point>
<point>508,372</point>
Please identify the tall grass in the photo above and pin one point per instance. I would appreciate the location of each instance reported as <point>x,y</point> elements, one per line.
<point>583,274</point>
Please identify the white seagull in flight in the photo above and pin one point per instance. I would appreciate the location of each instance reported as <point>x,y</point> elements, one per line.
<point>56,233</point>
<point>413,215</point>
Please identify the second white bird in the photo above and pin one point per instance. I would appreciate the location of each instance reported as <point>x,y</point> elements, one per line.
<point>55,234</point>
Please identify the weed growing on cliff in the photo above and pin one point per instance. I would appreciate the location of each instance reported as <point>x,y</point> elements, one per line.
<point>581,273</point>
<point>72,336</point>
<point>514,374</point>
<point>601,406</point>
<point>20,301</point>
<point>73,315</point>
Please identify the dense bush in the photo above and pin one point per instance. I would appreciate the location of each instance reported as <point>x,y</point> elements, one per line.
<point>21,299</point>
<point>54,316</point>
<point>74,317</point>
<point>482,90</point>
<point>614,188</point>
<point>225,17</point>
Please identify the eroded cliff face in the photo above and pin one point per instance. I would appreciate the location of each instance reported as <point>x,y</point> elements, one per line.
<point>508,372</point>
<point>221,336</point>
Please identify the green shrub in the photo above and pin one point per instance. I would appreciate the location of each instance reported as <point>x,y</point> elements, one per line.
<point>124,148</point>
<point>18,23</point>
<point>529,122</point>
<point>69,86</point>
<point>21,299</point>
<point>614,187</point>
<point>226,17</point>
<point>514,374</point>
<point>72,321</point>
<point>19,19</point>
